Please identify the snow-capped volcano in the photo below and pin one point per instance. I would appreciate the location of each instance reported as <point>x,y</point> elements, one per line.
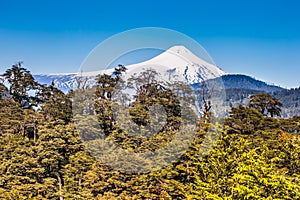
<point>182,62</point>
<point>178,61</point>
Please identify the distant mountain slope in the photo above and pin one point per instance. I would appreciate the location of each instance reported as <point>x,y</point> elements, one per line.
<point>291,101</point>
<point>239,88</point>
<point>4,93</point>
<point>241,96</point>
<point>64,82</point>
<point>246,82</point>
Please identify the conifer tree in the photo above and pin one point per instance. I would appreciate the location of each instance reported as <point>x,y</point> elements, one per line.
<point>244,120</point>
<point>21,82</point>
<point>266,104</point>
<point>54,103</point>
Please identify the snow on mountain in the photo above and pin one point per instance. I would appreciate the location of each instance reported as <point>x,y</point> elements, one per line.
<point>175,63</point>
<point>182,61</point>
<point>64,82</point>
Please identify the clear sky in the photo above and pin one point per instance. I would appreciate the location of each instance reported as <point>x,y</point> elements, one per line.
<point>254,37</point>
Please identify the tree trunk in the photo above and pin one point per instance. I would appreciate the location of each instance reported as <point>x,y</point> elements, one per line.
<point>60,187</point>
<point>34,133</point>
<point>35,130</point>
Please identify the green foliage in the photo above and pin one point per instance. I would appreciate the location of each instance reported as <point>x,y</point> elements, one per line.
<point>11,115</point>
<point>43,156</point>
<point>21,82</point>
<point>105,85</point>
<point>244,120</point>
<point>54,104</point>
<point>236,169</point>
<point>266,104</point>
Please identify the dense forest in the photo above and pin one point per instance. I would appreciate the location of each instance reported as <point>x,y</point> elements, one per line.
<point>44,156</point>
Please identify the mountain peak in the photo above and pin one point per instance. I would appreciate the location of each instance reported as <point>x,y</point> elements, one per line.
<point>183,52</point>
<point>179,49</point>
<point>191,67</point>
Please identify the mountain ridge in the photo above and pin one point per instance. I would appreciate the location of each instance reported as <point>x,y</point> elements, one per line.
<point>241,81</point>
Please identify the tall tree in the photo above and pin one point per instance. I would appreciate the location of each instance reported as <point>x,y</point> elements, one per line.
<point>244,120</point>
<point>105,85</point>
<point>54,103</point>
<point>266,104</point>
<point>21,82</point>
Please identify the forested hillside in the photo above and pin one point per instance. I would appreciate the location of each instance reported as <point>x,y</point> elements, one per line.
<point>290,99</point>
<point>43,156</point>
<point>240,81</point>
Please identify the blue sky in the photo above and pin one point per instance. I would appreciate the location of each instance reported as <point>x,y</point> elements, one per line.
<point>253,37</point>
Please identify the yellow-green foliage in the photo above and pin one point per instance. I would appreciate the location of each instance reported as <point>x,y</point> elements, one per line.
<point>255,157</point>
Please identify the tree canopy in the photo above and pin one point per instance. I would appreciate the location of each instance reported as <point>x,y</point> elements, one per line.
<point>266,104</point>
<point>43,156</point>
